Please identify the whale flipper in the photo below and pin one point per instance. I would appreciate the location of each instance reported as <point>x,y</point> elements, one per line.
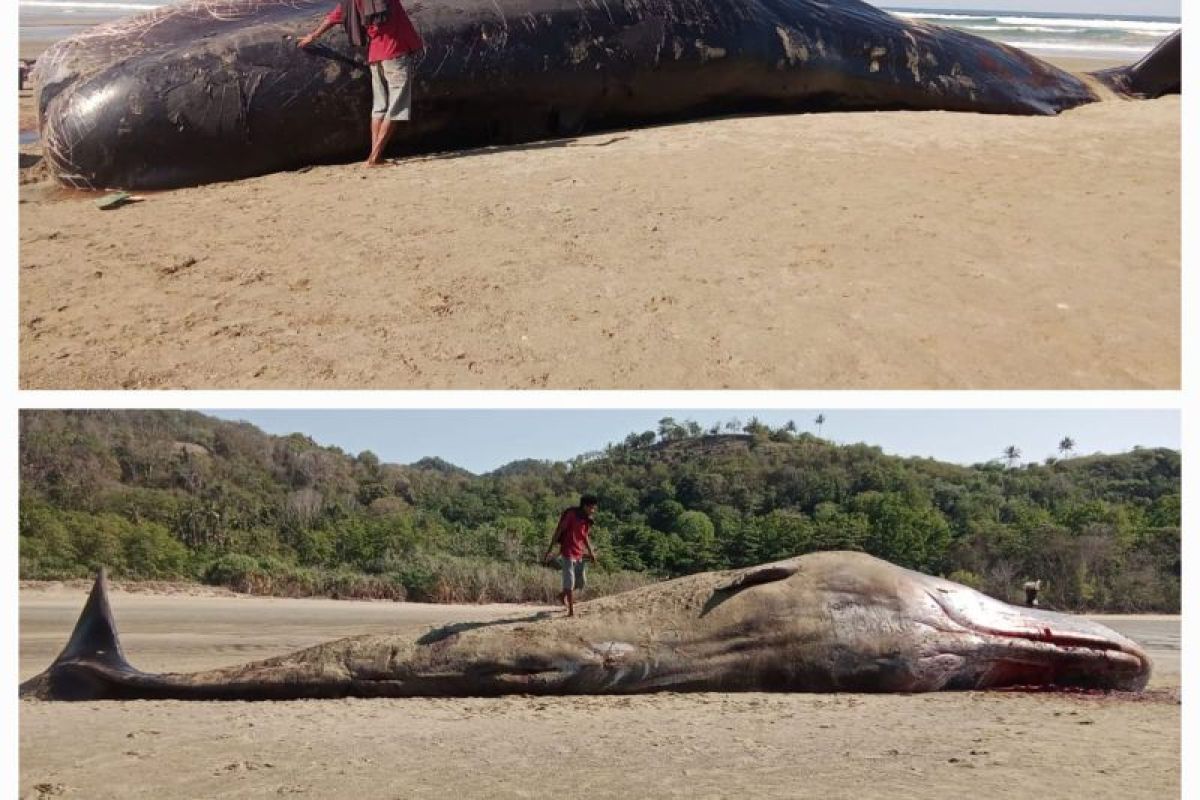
<point>1159,73</point>
<point>93,647</point>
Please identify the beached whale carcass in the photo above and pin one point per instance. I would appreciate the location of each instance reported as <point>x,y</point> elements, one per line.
<point>210,90</point>
<point>1157,74</point>
<point>825,622</point>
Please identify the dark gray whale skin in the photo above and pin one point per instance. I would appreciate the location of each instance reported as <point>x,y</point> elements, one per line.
<point>1158,74</point>
<point>825,622</point>
<point>211,90</point>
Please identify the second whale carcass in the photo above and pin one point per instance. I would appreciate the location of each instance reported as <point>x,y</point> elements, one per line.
<point>213,90</point>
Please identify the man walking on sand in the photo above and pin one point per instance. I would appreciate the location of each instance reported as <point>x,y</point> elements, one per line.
<point>385,28</point>
<point>573,537</point>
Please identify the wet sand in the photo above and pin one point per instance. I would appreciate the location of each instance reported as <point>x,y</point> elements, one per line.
<point>870,250</point>
<point>943,745</point>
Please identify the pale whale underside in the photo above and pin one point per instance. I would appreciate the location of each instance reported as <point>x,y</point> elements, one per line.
<point>211,90</point>
<point>824,622</point>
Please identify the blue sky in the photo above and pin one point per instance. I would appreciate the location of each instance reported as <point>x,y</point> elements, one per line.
<point>1140,8</point>
<point>483,440</point>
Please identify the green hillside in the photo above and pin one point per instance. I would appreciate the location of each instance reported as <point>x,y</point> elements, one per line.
<point>168,494</point>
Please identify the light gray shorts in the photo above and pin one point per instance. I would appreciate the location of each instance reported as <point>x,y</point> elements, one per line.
<point>391,89</point>
<point>574,574</point>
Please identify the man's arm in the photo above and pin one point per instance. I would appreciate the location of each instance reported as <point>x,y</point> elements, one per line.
<point>590,552</point>
<point>332,20</point>
<point>558,532</point>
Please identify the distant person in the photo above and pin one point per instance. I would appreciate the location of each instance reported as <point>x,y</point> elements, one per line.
<point>573,537</point>
<point>384,26</point>
<point>1031,592</point>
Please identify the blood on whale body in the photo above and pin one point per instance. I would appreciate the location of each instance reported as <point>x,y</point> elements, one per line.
<point>830,621</point>
<point>211,90</point>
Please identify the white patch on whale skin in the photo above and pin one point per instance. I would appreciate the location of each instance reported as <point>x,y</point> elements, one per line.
<point>913,56</point>
<point>612,651</point>
<point>937,671</point>
<point>794,50</point>
<point>709,53</point>
<point>876,54</point>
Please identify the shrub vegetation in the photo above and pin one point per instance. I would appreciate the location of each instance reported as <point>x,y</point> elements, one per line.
<point>178,495</point>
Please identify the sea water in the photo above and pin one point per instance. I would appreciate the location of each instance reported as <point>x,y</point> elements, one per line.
<point>1120,38</point>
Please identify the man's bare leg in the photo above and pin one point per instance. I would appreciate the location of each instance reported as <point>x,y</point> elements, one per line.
<point>570,602</point>
<point>376,124</point>
<point>380,142</point>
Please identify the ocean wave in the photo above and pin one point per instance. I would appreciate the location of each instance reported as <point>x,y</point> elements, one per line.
<point>1026,29</point>
<point>1138,26</point>
<point>69,6</point>
<point>1076,47</point>
<point>1121,24</point>
<point>923,15</point>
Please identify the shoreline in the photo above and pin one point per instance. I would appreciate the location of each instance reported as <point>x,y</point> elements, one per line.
<point>173,588</point>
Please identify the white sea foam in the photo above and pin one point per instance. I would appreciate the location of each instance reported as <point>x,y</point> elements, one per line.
<point>1076,47</point>
<point>1025,28</point>
<point>923,15</point>
<point>75,6</point>
<point>1102,24</point>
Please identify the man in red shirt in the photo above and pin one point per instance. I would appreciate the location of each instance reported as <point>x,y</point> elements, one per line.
<point>573,537</point>
<point>391,37</point>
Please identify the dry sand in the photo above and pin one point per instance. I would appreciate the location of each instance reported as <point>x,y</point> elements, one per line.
<point>946,745</point>
<point>871,250</point>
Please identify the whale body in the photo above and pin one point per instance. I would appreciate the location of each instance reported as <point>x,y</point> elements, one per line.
<point>209,90</point>
<point>824,622</point>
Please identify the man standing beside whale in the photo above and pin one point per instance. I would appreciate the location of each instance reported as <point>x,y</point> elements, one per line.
<point>385,28</point>
<point>574,539</point>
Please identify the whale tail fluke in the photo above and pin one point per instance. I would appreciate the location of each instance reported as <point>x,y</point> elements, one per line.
<point>93,648</point>
<point>1159,73</point>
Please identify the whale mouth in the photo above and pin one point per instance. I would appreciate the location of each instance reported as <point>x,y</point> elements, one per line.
<point>1037,646</point>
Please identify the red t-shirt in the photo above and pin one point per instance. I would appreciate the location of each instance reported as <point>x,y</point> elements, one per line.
<point>395,37</point>
<point>573,531</point>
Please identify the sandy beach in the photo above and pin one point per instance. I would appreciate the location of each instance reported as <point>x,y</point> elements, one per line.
<point>668,745</point>
<point>869,250</point>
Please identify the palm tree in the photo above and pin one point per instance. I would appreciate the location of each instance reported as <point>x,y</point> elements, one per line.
<point>1012,455</point>
<point>1066,446</point>
<point>820,420</point>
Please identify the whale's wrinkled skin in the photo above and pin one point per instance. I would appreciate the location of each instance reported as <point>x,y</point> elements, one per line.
<point>210,90</point>
<point>824,622</point>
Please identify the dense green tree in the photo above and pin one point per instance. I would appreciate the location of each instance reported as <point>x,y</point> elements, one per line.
<point>168,494</point>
